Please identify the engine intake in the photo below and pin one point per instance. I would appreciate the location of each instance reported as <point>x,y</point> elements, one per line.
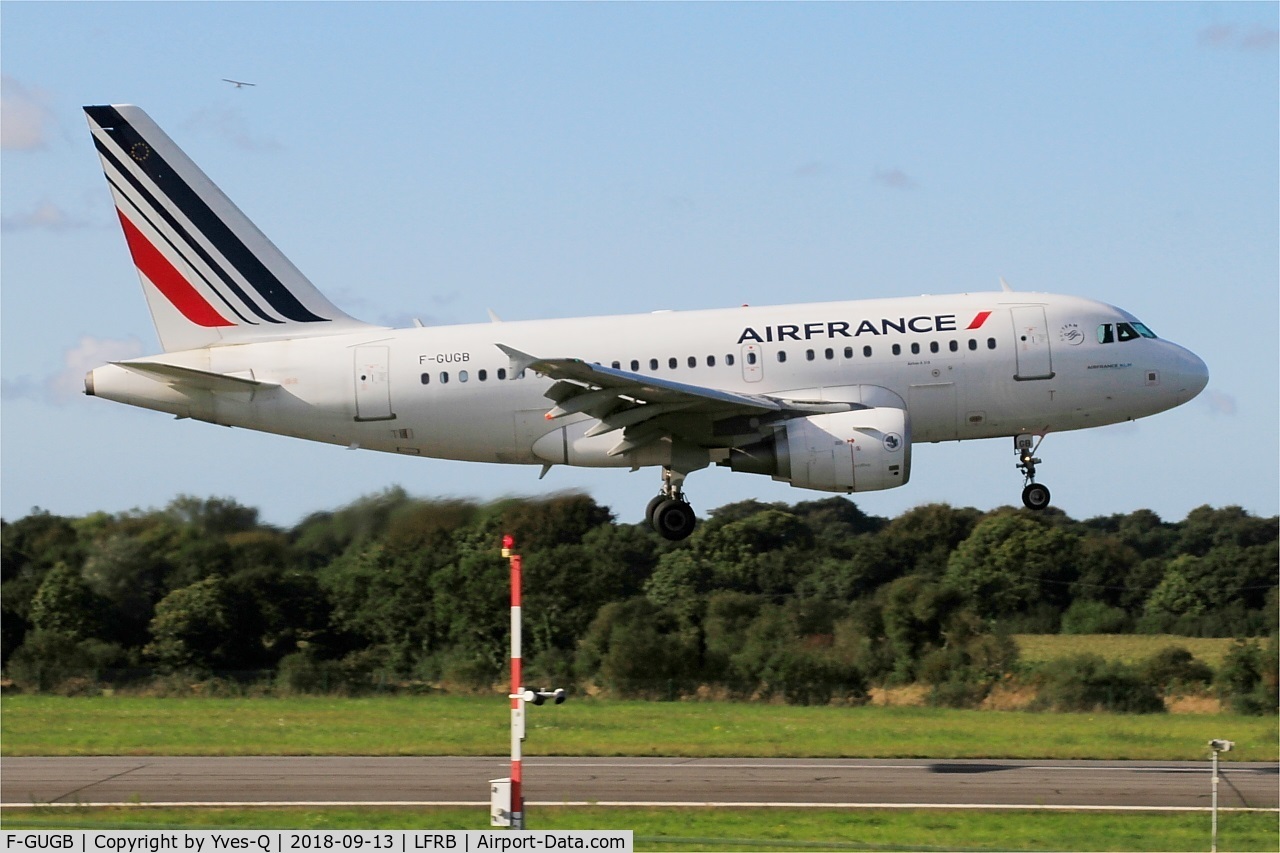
<point>860,451</point>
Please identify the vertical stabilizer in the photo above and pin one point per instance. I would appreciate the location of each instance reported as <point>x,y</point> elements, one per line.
<point>209,275</point>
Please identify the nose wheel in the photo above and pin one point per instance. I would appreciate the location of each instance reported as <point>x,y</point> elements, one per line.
<point>669,513</point>
<point>1035,496</point>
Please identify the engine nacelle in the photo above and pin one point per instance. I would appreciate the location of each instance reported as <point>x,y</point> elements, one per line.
<point>860,451</point>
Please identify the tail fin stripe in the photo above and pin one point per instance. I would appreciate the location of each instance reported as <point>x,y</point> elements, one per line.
<point>206,221</point>
<point>151,203</point>
<point>156,267</point>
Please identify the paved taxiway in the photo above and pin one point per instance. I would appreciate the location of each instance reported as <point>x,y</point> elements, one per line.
<point>816,782</point>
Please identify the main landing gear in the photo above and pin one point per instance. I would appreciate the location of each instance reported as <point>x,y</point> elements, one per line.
<point>1034,495</point>
<point>669,513</point>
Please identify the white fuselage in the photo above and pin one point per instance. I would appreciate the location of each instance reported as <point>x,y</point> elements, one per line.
<point>964,366</point>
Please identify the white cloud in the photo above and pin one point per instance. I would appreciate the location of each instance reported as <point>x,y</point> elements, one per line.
<point>85,356</point>
<point>46,216</point>
<point>25,117</point>
<point>1220,403</point>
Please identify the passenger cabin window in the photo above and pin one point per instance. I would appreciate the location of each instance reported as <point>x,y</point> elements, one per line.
<point>426,379</point>
<point>866,352</point>
<point>671,363</point>
<point>653,364</point>
<point>502,373</point>
<point>751,358</point>
<point>693,361</point>
<point>782,356</point>
<point>711,361</point>
<point>635,365</point>
<point>728,359</point>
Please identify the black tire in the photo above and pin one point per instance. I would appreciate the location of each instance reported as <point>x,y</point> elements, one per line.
<point>674,520</point>
<point>1035,496</point>
<point>657,501</point>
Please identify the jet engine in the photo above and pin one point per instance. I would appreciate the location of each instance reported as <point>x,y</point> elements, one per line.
<point>859,451</point>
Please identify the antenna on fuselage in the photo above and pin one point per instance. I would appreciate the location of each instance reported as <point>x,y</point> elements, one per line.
<point>1004,285</point>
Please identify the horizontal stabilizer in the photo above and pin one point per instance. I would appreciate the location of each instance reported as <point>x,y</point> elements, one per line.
<point>189,377</point>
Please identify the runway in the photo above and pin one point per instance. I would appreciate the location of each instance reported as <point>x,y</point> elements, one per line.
<point>817,783</point>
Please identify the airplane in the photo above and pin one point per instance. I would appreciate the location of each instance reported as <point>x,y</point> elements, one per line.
<point>826,396</point>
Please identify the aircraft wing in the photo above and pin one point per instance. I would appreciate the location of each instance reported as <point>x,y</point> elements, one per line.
<point>647,408</point>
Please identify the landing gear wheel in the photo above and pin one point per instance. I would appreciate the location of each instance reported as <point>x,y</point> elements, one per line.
<point>657,501</point>
<point>1035,496</point>
<point>674,520</point>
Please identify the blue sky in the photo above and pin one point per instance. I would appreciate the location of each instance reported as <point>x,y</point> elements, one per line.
<point>546,160</point>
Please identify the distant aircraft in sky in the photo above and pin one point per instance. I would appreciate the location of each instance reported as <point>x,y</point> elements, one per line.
<point>239,84</point>
<point>828,396</point>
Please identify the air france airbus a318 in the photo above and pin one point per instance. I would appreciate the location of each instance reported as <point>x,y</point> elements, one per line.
<point>827,396</point>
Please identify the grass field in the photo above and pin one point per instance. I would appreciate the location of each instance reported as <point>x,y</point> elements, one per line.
<point>1126,648</point>
<point>470,725</point>
<point>739,829</point>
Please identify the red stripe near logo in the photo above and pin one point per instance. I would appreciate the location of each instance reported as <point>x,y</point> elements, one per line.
<point>168,280</point>
<point>978,320</point>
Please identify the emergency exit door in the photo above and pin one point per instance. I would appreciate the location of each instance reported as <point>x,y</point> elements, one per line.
<point>373,384</point>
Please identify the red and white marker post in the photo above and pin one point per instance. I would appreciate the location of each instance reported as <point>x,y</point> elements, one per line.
<point>506,796</point>
<point>517,689</point>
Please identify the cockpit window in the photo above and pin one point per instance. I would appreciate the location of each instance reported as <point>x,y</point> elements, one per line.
<point>1112,332</point>
<point>1125,332</point>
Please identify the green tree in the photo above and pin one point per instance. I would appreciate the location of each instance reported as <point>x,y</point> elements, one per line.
<point>1206,528</point>
<point>1181,591</point>
<point>1011,563</point>
<point>1090,683</point>
<point>634,648</point>
<point>921,540</point>
<point>64,604</point>
<point>915,612</point>
<point>196,627</point>
<point>29,548</point>
<point>1174,668</point>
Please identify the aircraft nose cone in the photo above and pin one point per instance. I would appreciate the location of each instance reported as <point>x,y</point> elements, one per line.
<point>1193,374</point>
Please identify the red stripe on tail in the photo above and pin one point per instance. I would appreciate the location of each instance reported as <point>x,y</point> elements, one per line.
<point>168,280</point>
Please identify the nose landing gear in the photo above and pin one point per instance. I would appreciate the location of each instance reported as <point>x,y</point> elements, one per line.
<point>1034,495</point>
<point>669,513</point>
